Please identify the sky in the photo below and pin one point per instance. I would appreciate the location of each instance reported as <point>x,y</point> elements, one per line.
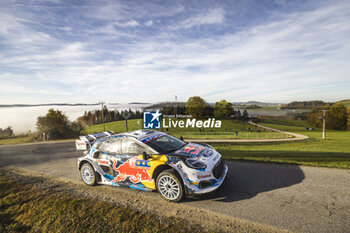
<point>149,51</point>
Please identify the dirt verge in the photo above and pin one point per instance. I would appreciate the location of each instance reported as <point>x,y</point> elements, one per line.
<point>207,220</point>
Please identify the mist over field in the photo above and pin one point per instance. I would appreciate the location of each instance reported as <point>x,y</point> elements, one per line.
<point>23,119</point>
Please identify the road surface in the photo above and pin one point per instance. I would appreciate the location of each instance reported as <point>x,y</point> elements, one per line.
<point>296,198</point>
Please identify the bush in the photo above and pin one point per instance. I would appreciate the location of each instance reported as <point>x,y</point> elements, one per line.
<point>336,118</point>
<point>56,125</point>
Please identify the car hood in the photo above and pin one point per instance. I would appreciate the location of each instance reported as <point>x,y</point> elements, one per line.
<point>195,150</point>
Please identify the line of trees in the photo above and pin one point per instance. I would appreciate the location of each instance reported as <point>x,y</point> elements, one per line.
<point>306,104</point>
<point>198,108</point>
<point>55,124</point>
<point>6,133</point>
<point>337,117</point>
<point>105,115</point>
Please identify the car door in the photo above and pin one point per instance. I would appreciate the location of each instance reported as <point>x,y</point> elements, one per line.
<point>109,154</point>
<point>132,168</point>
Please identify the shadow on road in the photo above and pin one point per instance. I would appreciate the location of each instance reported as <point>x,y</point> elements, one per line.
<point>246,179</point>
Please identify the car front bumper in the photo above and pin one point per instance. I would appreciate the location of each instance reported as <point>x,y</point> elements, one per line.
<point>211,185</point>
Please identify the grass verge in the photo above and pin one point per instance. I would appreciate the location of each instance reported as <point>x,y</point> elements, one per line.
<point>25,208</point>
<point>17,140</point>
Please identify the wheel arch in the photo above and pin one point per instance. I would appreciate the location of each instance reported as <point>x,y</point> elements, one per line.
<point>164,167</point>
<point>81,163</point>
<point>84,161</point>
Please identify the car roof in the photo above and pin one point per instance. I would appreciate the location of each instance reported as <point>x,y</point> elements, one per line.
<point>143,135</point>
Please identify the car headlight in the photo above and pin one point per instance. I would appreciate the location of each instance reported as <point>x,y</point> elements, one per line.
<point>194,163</point>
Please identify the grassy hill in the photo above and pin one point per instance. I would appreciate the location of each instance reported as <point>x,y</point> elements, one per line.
<point>345,102</point>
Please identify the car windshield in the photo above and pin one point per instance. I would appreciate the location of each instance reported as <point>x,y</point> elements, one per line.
<point>166,144</point>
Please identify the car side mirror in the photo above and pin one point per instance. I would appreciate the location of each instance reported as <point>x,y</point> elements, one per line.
<point>96,155</point>
<point>145,155</point>
<point>181,138</point>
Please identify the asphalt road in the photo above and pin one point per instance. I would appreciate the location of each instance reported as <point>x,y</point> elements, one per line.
<point>297,198</point>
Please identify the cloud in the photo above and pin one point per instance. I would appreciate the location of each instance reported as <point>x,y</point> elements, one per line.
<point>149,23</point>
<point>212,16</point>
<point>290,55</point>
<point>129,23</point>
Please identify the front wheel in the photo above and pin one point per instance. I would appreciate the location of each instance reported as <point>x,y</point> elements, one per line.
<point>87,174</point>
<point>169,186</point>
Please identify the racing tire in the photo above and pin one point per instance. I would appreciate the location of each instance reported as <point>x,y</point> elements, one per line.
<point>170,186</point>
<point>87,174</point>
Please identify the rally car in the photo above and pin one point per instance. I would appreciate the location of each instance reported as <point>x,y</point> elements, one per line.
<point>151,160</point>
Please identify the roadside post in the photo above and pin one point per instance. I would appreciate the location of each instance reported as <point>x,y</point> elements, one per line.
<point>126,115</point>
<point>324,124</point>
<point>103,117</point>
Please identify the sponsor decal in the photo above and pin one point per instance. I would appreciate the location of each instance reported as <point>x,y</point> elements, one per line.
<point>204,176</point>
<point>143,163</point>
<point>103,162</point>
<point>193,149</point>
<point>192,182</point>
<point>130,169</point>
<point>154,136</point>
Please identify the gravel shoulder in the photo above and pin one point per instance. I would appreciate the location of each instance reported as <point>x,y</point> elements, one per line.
<point>209,221</point>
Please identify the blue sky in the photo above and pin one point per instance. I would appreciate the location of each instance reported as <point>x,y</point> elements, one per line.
<point>149,51</point>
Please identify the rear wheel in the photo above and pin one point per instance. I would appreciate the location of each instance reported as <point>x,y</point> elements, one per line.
<point>170,186</point>
<point>87,174</point>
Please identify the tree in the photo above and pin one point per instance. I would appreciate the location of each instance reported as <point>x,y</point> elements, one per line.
<point>315,118</point>
<point>55,123</point>
<point>245,115</point>
<point>8,132</point>
<point>223,109</point>
<point>196,106</point>
<point>336,117</point>
<point>348,119</point>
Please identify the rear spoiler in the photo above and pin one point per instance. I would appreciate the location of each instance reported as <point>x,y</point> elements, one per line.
<point>85,142</point>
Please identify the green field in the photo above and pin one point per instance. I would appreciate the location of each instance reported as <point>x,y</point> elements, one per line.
<point>227,130</point>
<point>275,111</point>
<point>332,152</point>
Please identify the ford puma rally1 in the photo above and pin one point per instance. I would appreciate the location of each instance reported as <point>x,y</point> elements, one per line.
<point>150,160</point>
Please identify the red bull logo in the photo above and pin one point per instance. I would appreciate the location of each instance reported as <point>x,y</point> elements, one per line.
<point>193,150</point>
<point>134,168</point>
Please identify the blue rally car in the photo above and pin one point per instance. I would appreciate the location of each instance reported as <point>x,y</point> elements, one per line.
<point>151,160</point>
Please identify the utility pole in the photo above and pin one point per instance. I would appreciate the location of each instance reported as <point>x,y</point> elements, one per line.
<point>126,115</point>
<point>103,117</point>
<point>324,124</point>
<point>175,106</point>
